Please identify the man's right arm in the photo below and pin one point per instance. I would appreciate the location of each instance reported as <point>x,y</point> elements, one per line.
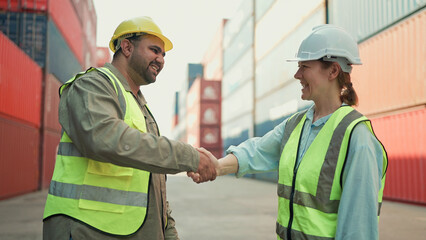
<point>90,114</point>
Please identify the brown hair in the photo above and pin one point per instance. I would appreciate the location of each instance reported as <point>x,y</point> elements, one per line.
<point>348,94</point>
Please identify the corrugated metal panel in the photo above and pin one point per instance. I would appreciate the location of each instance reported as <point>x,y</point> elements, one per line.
<point>273,109</point>
<point>210,137</point>
<point>67,22</point>
<point>393,72</point>
<point>239,103</point>
<point>210,113</point>
<point>261,7</point>
<point>239,45</point>
<point>239,74</point>
<point>23,5</point>
<point>213,58</point>
<point>282,18</point>
<point>210,91</point>
<point>9,25</point>
<point>272,71</point>
<point>62,62</point>
<point>237,131</point>
<point>20,84</point>
<point>50,144</point>
<point>103,56</point>
<point>32,37</point>
<point>195,70</point>
<point>234,25</point>
<point>366,18</point>
<point>51,104</point>
<point>10,5</point>
<point>404,137</point>
<point>19,149</point>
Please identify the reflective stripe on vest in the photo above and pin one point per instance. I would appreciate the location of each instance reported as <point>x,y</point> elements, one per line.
<point>108,197</point>
<point>325,199</point>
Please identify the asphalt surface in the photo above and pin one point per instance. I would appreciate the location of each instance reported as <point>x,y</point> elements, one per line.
<point>227,208</point>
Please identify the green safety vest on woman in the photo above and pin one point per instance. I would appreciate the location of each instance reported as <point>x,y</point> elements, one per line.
<point>308,204</point>
<point>105,196</point>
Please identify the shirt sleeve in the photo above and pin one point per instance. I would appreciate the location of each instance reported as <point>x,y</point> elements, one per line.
<point>90,114</point>
<point>259,154</point>
<point>361,182</point>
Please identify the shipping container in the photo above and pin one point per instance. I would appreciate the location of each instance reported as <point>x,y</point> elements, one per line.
<point>103,56</point>
<point>233,25</point>
<point>239,45</point>
<point>210,90</point>
<point>20,84</point>
<point>236,131</point>
<point>210,113</point>
<point>9,25</point>
<point>238,75</point>
<point>10,5</point>
<point>24,5</point>
<point>210,137</point>
<point>272,71</point>
<point>19,152</point>
<point>51,104</point>
<point>261,7</point>
<point>403,135</point>
<point>213,58</point>
<point>366,18</point>
<point>50,148</point>
<point>195,70</point>
<point>61,61</point>
<point>281,19</point>
<point>32,37</point>
<point>240,102</point>
<point>66,21</point>
<point>279,105</point>
<point>393,72</point>
<point>193,96</point>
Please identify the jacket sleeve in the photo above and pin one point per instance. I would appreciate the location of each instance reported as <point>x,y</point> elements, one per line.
<point>361,182</point>
<point>90,114</point>
<point>170,232</point>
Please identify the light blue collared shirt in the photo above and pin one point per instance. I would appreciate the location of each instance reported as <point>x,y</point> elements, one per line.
<point>357,217</point>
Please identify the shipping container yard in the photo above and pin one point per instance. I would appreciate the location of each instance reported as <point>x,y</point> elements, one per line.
<point>241,88</point>
<point>259,91</point>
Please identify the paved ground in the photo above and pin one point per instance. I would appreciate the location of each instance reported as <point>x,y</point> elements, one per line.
<point>228,208</point>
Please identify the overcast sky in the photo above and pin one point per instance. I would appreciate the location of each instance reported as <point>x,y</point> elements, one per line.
<point>189,24</point>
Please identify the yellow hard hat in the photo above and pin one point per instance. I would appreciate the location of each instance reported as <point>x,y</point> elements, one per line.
<point>138,25</point>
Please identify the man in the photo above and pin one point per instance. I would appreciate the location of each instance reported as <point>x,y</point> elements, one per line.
<point>109,180</point>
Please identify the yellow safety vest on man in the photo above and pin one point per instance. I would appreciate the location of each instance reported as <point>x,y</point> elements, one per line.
<point>308,204</point>
<point>105,196</point>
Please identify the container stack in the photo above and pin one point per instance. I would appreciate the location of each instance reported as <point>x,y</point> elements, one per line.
<point>103,56</point>
<point>391,84</point>
<point>43,44</point>
<point>203,113</point>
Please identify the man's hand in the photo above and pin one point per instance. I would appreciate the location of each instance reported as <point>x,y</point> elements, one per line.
<point>206,168</point>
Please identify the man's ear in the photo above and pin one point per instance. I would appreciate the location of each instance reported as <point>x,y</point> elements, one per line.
<point>126,47</point>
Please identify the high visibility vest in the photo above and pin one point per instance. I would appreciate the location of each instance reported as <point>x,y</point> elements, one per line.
<point>308,196</point>
<point>105,196</point>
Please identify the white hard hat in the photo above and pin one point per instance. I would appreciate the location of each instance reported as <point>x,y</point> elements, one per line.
<point>329,43</point>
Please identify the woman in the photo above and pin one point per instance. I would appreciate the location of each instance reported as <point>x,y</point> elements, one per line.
<point>331,165</point>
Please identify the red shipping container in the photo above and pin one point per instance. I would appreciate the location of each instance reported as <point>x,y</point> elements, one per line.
<point>404,137</point>
<point>393,72</point>
<point>10,5</point>
<point>19,152</point>
<point>210,137</point>
<point>20,84</point>
<point>210,113</point>
<point>210,90</point>
<point>51,104</point>
<point>66,20</point>
<point>50,148</point>
<point>34,5</point>
<point>103,56</point>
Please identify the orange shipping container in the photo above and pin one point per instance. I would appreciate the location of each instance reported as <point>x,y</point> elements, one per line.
<point>393,72</point>
<point>404,137</point>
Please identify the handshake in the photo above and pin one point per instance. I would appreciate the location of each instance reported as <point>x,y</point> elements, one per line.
<point>208,168</point>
